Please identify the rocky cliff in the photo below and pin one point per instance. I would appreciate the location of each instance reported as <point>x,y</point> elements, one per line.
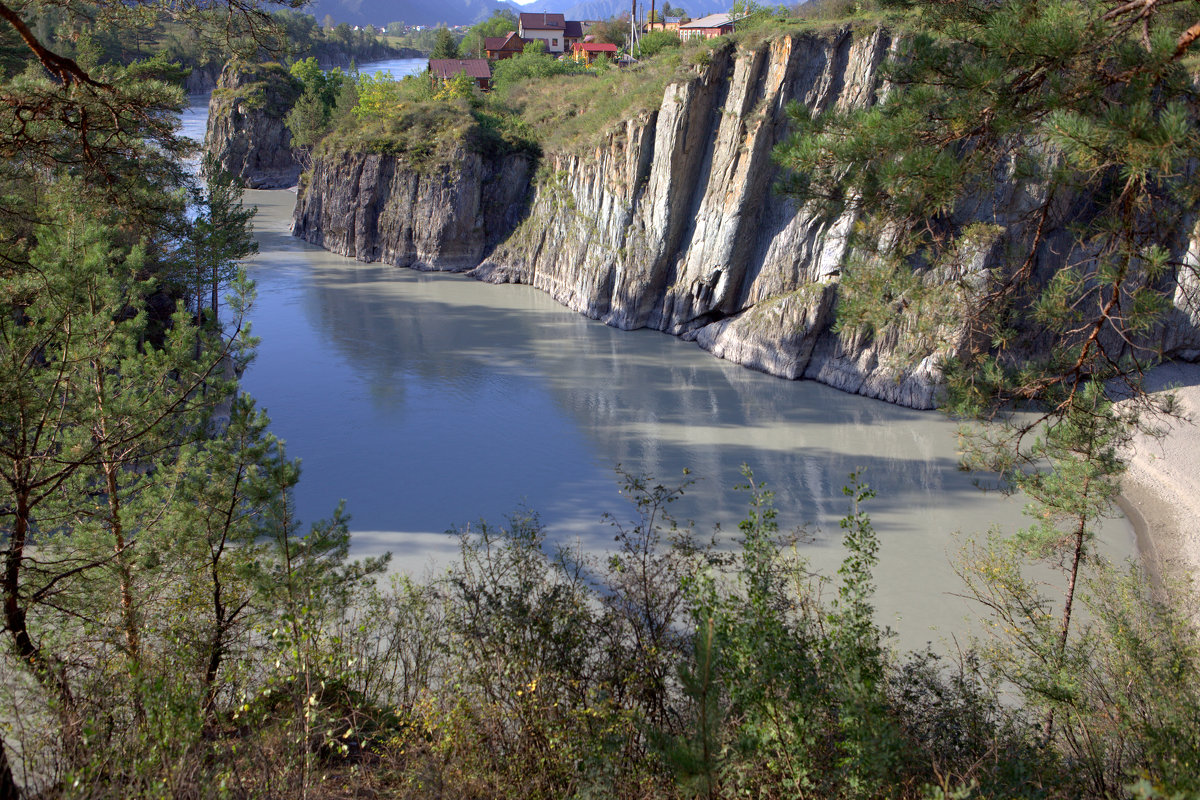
<point>671,222</point>
<point>377,208</point>
<point>246,132</point>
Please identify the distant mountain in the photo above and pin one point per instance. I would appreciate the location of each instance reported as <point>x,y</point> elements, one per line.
<point>599,9</point>
<point>411,12</point>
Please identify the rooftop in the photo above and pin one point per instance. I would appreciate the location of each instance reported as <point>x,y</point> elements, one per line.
<point>543,21</point>
<point>594,47</point>
<point>449,67</point>
<point>711,21</point>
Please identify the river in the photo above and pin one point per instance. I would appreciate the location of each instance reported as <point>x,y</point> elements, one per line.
<point>430,401</point>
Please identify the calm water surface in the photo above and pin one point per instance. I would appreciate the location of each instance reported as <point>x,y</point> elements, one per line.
<point>431,401</point>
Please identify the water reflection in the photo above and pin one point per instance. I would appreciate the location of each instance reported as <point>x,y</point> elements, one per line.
<point>431,400</point>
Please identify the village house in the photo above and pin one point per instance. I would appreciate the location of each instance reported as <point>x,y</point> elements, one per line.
<point>444,69</point>
<point>575,31</point>
<point>550,28</point>
<point>709,27</point>
<point>498,48</point>
<point>587,52</point>
<point>666,24</point>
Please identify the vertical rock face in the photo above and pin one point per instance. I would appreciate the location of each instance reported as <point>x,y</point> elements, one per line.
<point>201,79</point>
<point>674,223</point>
<point>246,132</point>
<point>375,208</point>
<point>671,222</point>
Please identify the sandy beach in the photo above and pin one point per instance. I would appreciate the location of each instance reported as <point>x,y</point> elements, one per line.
<point>1161,491</point>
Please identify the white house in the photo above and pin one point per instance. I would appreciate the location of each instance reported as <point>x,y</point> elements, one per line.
<point>550,28</point>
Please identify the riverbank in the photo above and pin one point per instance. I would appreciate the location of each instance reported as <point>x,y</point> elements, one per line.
<point>1161,492</point>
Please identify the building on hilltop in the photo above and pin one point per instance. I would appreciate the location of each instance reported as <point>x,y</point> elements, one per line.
<point>550,28</point>
<point>444,69</point>
<point>709,27</point>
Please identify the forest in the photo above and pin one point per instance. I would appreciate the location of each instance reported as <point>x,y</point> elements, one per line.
<point>171,629</point>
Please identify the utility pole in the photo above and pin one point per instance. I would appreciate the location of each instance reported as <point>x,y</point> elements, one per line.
<point>633,27</point>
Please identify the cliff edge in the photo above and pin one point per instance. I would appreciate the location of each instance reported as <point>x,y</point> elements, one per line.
<point>671,220</point>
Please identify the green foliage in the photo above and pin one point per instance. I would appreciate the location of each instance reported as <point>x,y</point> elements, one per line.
<point>753,14</point>
<point>1119,692</point>
<point>803,707</point>
<point>322,86</point>
<point>499,24</point>
<point>612,31</point>
<point>460,87</point>
<point>220,236</point>
<point>531,65</point>
<point>269,87</point>
<point>572,110</point>
<point>1091,118</point>
<point>445,46</point>
<point>655,42</point>
<point>171,631</point>
<point>1072,102</point>
<point>381,95</point>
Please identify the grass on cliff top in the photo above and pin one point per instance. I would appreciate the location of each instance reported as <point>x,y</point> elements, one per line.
<point>268,86</point>
<point>575,112</point>
<point>562,113</point>
<point>424,130</point>
<point>572,111</point>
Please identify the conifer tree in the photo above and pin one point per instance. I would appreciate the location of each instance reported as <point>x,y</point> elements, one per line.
<point>1058,142</point>
<point>445,46</point>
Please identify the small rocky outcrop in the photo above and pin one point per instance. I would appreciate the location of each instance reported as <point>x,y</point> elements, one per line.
<point>246,132</point>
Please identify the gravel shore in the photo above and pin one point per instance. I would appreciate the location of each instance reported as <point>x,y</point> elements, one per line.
<point>1161,490</point>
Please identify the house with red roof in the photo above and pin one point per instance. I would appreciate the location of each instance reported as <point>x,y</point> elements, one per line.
<point>443,69</point>
<point>550,28</point>
<point>587,52</point>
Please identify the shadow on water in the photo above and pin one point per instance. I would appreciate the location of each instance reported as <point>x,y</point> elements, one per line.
<point>429,401</point>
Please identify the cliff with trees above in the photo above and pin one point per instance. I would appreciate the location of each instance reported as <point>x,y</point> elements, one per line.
<point>656,202</point>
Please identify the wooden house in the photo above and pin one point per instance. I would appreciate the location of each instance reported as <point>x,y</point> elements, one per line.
<point>443,69</point>
<point>587,52</point>
<point>498,48</point>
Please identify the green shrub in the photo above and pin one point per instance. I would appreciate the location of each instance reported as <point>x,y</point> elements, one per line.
<point>533,64</point>
<point>655,42</point>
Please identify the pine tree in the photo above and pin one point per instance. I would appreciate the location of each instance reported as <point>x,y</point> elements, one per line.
<point>444,46</point>
<point>221,234</point>
<point>1059,139</point>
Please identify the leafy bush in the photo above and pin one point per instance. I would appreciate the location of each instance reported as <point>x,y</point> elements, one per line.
<point>533,64</point>
<point>655,42</point>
